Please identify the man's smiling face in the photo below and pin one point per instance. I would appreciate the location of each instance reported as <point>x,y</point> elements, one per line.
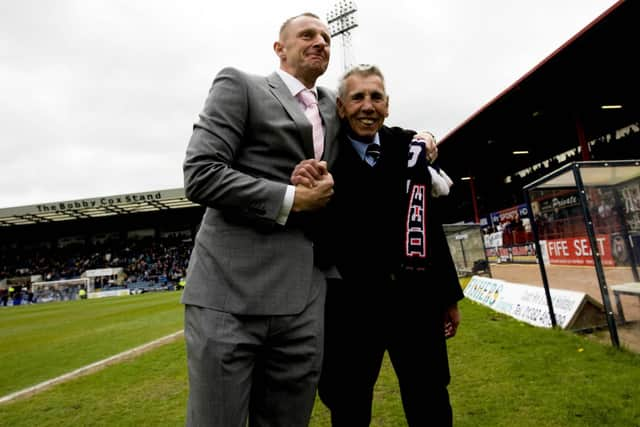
<point>364,105</point>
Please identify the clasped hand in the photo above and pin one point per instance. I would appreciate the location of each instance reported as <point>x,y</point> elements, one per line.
<point>430,144</point>
<point>314,185</point>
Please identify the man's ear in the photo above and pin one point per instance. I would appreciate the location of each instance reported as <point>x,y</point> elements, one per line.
<point>278,48</point>
<point>341,109</point>
<point>386,114</point>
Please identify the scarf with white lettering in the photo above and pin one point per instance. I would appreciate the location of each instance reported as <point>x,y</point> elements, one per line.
<point>417,201</point>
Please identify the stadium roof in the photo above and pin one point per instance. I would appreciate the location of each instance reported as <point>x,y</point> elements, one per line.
<point>592,174</point>
<point>555,108</point>
<point>96,207</point>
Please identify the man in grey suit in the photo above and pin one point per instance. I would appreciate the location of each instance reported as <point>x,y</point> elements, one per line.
<point>254,297</point>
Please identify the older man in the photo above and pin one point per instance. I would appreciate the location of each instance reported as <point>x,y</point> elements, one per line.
<point>399,287</point>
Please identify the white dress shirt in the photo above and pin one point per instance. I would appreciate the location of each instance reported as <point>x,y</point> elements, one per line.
<point>295,86</point>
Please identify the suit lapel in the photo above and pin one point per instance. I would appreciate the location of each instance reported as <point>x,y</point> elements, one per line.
<point>290,104</point>
<point>328,111</point>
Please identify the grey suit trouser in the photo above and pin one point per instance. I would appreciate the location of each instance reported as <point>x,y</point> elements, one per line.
<point>263,369</point>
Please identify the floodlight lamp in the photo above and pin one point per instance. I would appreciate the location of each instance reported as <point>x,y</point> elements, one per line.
<point>341,10</point>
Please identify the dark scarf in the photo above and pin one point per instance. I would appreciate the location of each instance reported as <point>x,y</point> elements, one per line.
<point>416,253</point>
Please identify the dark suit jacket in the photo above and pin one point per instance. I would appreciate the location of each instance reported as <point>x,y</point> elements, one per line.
<point>249,137</point>
<point>367,218</point>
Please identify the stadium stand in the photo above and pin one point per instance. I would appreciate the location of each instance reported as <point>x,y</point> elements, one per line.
<point>147,237</point>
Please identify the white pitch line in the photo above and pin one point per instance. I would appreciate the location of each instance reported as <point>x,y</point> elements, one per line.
<point>92,367</point>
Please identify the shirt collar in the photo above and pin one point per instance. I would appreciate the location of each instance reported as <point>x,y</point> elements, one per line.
<point>294,85</point>
<point>361,147</point>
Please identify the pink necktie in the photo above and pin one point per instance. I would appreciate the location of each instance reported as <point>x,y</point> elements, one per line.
<point>308,98</point>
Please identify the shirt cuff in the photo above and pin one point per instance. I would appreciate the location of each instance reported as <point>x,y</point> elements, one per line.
<point>287,204</point>
<point>440,182</point>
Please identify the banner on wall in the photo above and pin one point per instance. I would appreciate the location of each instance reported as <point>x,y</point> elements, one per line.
<point>559,202</point>
<point>514,212</point>
<point>493,240</point>
<point>577,251</point>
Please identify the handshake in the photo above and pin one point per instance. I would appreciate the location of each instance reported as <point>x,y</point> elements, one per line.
<point>314,185</point>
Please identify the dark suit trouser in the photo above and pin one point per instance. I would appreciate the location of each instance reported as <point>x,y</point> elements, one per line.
<point>361,324</point>
<point>261,368</point>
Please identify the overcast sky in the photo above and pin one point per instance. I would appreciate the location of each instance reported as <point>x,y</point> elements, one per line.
<point>99,97</point>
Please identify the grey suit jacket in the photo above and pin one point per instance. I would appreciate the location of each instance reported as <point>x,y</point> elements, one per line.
<point>249,137</point>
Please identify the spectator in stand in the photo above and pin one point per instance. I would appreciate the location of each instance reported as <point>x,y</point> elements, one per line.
<point>604,209</point>
<point>29,293</point>
<point>17,295</point>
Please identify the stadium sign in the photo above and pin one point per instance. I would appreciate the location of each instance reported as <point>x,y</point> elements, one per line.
<point>573,310</point>
<point>173,198</point>
<point>563,202</point>
<point>98,202</point>
<point>577,250</point>
<point>512,213</point>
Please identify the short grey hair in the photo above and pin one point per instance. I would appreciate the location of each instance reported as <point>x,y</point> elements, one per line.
<point>363,70</point>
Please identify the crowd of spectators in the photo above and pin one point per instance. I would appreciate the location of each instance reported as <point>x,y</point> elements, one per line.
<point>512,231</point>
<point>145,259</point>
<point>17,294</point>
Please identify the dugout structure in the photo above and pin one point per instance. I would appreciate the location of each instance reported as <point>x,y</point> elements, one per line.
<point>466,244</point>
<point>587,205</point>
